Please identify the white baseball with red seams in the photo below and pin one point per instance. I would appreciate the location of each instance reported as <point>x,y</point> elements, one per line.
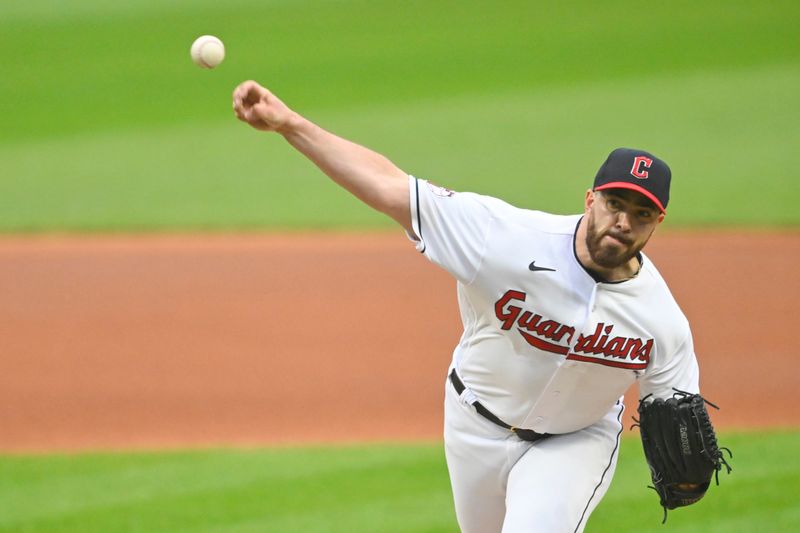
<point>207,51</point>
<point>546,347</point>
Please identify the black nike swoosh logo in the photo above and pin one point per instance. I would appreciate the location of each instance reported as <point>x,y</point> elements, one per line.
<point>533,268</point>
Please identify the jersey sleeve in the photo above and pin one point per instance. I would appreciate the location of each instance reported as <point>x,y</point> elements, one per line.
<point>450,228</point>
<point>675,370</point>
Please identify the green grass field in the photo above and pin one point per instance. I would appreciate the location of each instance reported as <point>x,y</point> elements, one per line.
<point>386,488</point>
<point>107,125</point>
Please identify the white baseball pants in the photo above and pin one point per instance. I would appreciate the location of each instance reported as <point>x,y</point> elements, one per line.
<point>504,484</point>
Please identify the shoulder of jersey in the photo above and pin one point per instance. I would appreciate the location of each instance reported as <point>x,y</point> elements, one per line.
<point>544,222</point>
<point>538,220</point>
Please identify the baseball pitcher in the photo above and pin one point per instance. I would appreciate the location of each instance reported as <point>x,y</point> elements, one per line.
<point>561,315</point>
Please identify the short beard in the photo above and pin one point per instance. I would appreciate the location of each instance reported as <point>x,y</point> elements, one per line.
<point>606,256</point>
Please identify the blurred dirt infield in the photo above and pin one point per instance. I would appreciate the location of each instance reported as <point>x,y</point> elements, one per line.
<point>164,341</point>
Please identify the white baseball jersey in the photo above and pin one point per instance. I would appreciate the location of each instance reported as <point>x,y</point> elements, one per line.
<point>545,345</point>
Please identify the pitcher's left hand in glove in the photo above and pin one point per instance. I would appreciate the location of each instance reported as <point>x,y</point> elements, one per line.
<point>680,447</point>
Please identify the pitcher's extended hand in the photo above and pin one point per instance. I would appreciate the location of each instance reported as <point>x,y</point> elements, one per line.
<point>261,109</point>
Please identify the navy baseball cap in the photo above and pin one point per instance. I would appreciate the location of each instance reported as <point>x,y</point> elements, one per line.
<point>636,170</point>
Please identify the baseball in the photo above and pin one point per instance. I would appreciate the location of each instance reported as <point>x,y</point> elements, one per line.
<point>207,51</point>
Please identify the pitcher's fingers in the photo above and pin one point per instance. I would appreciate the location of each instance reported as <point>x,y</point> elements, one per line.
<point>238,108</point>
<point>243,88</point>
<point>239,112</point>
<point>252,93</point>
<point>237,95</point>
<point>242,91</point>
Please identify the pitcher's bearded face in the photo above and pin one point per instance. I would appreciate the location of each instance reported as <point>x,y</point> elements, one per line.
<point>619,224</point>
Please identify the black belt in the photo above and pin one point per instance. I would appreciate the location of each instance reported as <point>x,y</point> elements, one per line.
<point>524,434</point>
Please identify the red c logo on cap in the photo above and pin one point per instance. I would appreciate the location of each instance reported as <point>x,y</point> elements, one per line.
<point>638,163</point>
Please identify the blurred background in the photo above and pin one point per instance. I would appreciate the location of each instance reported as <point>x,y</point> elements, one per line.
<point>122,160</point>
<point>107,125</point>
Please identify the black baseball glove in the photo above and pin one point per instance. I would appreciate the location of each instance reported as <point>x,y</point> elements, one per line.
<point>680,447</point>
